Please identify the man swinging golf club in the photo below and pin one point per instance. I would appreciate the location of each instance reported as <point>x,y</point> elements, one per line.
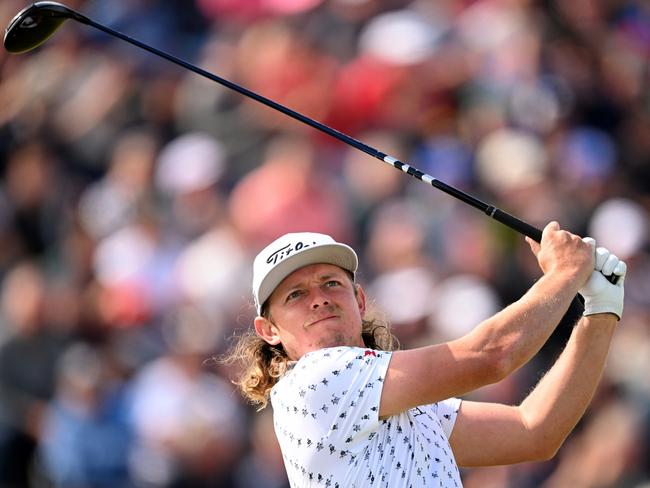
<point>349,412</point>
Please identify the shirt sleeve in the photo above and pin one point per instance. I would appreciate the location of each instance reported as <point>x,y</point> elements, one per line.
<point>341,388</point>
<point>447,412</point>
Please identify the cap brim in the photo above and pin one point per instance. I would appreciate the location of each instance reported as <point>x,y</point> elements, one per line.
<point>337,254</point>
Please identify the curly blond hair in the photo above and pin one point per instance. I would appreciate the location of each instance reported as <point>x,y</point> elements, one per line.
<point>263,364</point>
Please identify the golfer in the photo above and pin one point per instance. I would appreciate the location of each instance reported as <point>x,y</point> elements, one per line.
<point>350,412</point>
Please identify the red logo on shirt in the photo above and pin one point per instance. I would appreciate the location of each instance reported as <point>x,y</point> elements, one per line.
<point>370,353</point>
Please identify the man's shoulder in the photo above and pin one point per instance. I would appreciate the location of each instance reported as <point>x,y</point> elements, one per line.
<point>329,365</point>
<point>335,389</point>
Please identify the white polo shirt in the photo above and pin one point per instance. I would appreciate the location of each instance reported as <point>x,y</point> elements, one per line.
<point>326,417</point>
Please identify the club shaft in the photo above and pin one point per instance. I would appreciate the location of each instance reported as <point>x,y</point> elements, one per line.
<point>496,213</point>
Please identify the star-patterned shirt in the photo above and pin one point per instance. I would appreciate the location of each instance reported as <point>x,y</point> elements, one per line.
<point>326,417</point>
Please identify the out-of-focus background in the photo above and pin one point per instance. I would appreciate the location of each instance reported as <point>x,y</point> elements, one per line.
<point>134,194</point>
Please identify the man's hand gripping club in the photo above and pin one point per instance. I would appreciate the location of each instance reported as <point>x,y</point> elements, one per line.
<point>588,265</point>
<point>600,295</point>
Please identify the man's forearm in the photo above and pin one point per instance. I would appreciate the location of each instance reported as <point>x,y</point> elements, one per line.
<point>560,399</point>
<point>519,331</point>
<point>491,351</point>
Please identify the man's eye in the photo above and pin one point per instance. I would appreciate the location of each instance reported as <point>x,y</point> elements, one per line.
<point>331,283</point>
<point>293,294</point>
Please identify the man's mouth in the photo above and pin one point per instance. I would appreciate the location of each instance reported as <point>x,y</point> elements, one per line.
<point>322,319</point>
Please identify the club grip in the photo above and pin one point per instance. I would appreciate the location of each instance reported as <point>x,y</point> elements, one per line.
<point>527,230</point>
<point>515,224</point>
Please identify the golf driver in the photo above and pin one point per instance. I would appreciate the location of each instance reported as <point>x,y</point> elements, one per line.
<point>33,25</point>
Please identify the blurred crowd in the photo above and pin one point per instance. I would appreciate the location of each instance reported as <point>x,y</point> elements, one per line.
<point>134,195</point>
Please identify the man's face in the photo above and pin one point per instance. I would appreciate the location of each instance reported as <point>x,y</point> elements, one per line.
<point>313,308</point>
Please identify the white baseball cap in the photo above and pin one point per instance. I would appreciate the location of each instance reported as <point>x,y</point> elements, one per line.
<point>291,252</point>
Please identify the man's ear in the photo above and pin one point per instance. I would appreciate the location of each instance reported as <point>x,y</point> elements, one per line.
<point>361,299</point>
<point>267,331</point>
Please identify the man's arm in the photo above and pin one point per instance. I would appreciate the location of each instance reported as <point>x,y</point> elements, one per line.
<point>499,345</point>
<point>492,434</point>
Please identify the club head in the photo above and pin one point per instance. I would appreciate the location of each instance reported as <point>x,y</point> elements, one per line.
<point>33,25</point>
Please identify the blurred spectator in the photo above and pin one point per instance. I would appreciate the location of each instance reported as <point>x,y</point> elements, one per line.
<point>263,466</point>
<point>188,170</point>
<point>605,452</point>
<point>448,312</point>
<point>86,437</point>
<point>205,278</point>
<point>133,273</point>
<point>369,183</point>
<point>114,201</point>
<point>252,10</point>
<point>296,72</point>
<point>288,192</point>
<point>34,205</point>
<point>28,351</point>
<point>189,427</point>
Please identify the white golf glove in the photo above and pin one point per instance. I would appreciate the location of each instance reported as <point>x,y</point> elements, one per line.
<point>600,295</point>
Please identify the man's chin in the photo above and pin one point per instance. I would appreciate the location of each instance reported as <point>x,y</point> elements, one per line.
<point>337,340</point>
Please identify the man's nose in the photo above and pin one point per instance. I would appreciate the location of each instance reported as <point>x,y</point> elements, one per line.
<point>319,300</point>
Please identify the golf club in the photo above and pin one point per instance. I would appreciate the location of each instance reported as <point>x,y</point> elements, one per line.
<point>33,25</point>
